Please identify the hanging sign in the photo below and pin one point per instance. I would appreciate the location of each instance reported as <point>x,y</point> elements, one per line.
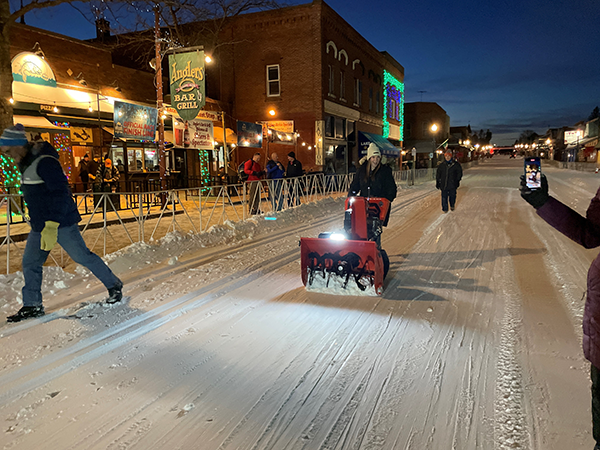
<point>203,115</point>
<point>135,121</point>
<point>186,78</point>
<point>287,126</point>
<point>81,135</point>
<point>28,67</point>
<point>195,134</point>
<point>249,134</point>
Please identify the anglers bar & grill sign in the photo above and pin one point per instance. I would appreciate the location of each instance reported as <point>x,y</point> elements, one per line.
<point>186,77</point>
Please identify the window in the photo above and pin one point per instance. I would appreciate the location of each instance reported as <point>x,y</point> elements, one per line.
<point>273,89</point>
<point>357,92</point>
<point>370,99</point>
<point>377,103</point>
<point>331,81</point>
<point>342,85</point>
<point>340,128</point>
<point>393,110</point>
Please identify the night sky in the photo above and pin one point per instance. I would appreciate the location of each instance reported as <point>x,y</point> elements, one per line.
<point>505,65</point>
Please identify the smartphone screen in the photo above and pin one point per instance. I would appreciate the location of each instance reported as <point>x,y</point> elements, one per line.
<point>533,173</point>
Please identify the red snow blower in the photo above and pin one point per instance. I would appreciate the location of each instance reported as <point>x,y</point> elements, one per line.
<point>349,262</point>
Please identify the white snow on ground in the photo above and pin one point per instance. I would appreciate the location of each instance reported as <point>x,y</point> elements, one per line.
<point>473,344</point>
<point>170,247</point>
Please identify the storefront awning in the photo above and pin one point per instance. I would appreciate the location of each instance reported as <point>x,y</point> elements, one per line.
<point>218,135</point>
<point>385,146</point>
<point>36,123</point>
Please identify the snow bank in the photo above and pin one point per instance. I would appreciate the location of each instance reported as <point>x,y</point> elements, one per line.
<point>168,249</point>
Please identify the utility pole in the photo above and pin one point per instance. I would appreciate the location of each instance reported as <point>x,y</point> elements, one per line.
<point>159,101</point>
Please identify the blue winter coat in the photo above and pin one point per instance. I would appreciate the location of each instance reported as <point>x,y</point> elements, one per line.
<point>46,188</point>
<point>273,170</point>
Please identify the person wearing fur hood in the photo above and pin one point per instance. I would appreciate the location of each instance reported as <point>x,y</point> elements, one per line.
<point>374,179</point>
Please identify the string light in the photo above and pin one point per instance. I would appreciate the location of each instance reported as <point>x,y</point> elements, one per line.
<point>90,108</point>
<point>55,109</point>
<point>12,101</point>
<point>393,90</point>
<point>62,144</point>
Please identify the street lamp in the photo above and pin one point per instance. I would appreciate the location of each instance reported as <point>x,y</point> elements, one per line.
<point>433,129</point>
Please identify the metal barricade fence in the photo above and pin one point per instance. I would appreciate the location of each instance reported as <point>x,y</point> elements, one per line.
<point>112,221</point>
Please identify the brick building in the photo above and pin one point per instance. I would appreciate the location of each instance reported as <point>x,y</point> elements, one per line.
<point>311,68</point>
<point>419,118</point>
<point>331,93</point>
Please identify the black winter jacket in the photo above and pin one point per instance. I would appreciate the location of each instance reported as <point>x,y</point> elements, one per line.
<point>380,184</point>
<point>449,174</point>
<point>294,169</point>
<point>46,188</point>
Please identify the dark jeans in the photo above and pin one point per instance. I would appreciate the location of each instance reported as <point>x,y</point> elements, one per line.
<point>595,375</point>
<point>254,197</point>
<point>70,239</point>
<point>448,194</point>
<point>276,194</point>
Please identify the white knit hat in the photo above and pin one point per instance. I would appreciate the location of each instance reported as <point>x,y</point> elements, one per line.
<point>373,150</point>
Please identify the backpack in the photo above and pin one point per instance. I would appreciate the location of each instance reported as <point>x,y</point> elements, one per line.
<point>241,173</point>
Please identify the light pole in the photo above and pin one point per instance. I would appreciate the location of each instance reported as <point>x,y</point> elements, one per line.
<point>159,101</point>
<point>434,128</point>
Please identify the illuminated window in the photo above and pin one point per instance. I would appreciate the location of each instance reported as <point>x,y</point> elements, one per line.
<point>273,88</point>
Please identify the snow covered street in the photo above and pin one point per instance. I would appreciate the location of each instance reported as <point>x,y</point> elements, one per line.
<point>475,344</point>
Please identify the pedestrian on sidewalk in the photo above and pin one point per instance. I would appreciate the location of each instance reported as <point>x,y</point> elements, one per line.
<point>255,173</point>
<point>53,217</point>
<point>586,232</point>
<point>84,173</point>
<point>447,180</point>
<point>294,171</point>
<point>275,173</point>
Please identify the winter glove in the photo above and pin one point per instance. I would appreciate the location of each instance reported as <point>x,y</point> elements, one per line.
<point>256,174</point>
<point>535,197</point>
<point>49,236</point>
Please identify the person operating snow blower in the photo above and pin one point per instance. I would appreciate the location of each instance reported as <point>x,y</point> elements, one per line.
<point>352,262</point>
<point>374,179</point>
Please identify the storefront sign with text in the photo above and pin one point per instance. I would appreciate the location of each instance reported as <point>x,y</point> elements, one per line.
<point>186,77</point>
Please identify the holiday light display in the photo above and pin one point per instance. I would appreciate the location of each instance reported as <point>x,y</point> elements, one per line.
<point>10,177</point>
<point>204,169</point>
<point>62,144</point>
<point>392,90</point>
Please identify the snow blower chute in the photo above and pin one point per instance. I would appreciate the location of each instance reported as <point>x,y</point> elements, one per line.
<point>349,262</point>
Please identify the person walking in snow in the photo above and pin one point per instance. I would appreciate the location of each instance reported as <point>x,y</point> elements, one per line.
<point>586,232</point>
<point>53,218</point>
<point>255,173</point>
<point>447,180</point>
<point>374,179</point>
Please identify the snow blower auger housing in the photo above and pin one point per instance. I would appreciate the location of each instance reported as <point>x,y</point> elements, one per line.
<point>351,262</point>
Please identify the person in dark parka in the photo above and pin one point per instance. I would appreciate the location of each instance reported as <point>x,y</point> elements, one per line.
<point>53,217</point>
<point>374,179</point>
<point>586,232</point>
<point>447,180</point>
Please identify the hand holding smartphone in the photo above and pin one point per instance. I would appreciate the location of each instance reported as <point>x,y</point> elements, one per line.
<point>533,173</point>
